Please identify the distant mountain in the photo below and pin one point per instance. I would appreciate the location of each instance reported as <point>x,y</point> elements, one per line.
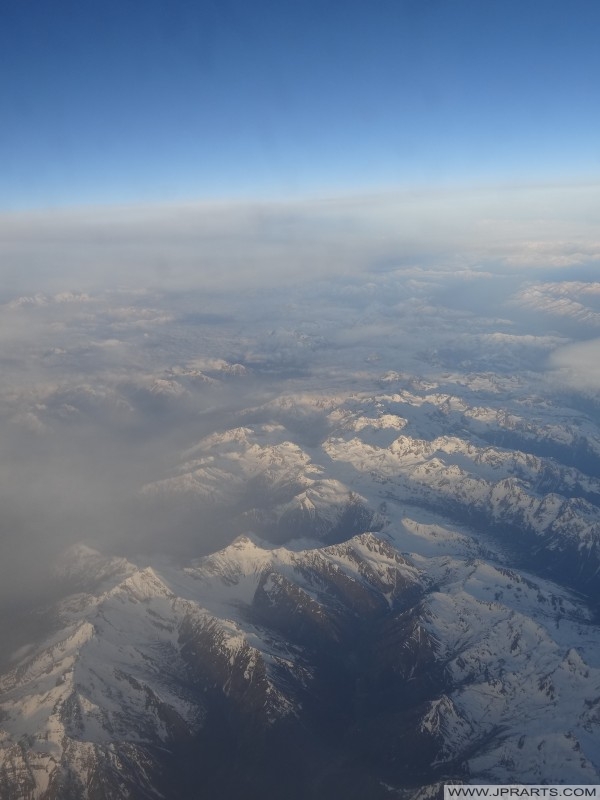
<point>394,449</point>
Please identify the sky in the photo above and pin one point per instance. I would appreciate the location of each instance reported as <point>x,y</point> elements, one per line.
<point>124,102</point>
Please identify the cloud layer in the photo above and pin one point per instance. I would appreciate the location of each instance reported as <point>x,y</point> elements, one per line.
<point>230,244</point>
<point>128,334</point>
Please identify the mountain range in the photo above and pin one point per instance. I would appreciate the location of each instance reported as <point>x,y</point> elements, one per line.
<point>407,599</point>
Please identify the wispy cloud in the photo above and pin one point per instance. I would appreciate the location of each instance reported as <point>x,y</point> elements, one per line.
<point>578,365</point>
<point>226,244</point>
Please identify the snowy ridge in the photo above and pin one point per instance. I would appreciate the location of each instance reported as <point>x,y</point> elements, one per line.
<point>127,669</point>
<point>516,660</point>
<point>369,603</point>
<point>223,463</point>
<point>391,446</point>
<point>521,702</point>
<point>565,299</point>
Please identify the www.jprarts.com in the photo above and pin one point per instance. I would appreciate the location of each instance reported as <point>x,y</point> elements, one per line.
<point>463,792</point>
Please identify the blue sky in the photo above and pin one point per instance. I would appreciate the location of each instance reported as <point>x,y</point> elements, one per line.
<point>123,101</point>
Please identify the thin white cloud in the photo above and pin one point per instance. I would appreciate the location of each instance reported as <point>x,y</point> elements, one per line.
<point>224,245</point>
<point>578,365</point>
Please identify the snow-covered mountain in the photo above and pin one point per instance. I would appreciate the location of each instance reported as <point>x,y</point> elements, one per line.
<point>348,548</point>
<point>372,666</point>
<point>420,447</point>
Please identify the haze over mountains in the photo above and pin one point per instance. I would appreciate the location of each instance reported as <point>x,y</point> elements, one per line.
<point>324,538</point>
<point>299,444</point>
